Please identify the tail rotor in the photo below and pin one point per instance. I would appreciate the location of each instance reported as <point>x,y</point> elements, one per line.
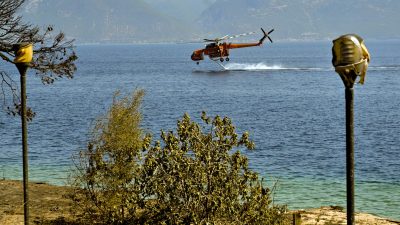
<point>266,35</point>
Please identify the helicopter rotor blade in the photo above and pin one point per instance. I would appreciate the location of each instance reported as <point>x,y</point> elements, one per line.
<point>223,38</point>
<point>216,40</point>
<point>240,35</point>
<point>212,40</point>
<point>226,37</point>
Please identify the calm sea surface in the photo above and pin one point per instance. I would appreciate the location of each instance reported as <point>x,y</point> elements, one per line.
<point>286,95</point>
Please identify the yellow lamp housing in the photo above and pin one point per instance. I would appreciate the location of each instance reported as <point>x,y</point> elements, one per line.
<point>350,58</point>
<point>23,53</point>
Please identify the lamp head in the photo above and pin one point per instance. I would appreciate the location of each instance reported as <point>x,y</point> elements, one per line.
<point>350,58</point>
<point>23,53</point>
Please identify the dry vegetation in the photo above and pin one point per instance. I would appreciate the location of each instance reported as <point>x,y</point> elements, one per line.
<point>49,203</point>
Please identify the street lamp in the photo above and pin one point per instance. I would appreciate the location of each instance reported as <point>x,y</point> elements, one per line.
<point>23,57</point>
<point>350,59</point>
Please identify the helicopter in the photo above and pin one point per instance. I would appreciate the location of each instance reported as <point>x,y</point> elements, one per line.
<point>220,51</point>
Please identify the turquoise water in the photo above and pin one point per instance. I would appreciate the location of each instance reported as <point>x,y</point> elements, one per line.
<point>378,198</point>
<point>286,95</point>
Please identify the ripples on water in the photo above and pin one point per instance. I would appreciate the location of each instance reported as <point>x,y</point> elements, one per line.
<point>286,95</point>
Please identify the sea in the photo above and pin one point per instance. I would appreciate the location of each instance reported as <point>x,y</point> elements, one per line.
<point>285,94</point>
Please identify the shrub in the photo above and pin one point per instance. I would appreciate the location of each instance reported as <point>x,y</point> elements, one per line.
<point>195,175</point>
<point>108,171</point>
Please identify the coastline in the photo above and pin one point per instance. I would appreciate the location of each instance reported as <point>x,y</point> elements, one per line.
<point>49,202</point>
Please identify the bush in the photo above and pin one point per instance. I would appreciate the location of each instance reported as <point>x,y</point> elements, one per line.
<point>195,175</point>
<point>108,171</point>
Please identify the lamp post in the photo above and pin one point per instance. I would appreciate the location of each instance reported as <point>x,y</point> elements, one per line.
<point>23,57</point>
<point>350,59</point>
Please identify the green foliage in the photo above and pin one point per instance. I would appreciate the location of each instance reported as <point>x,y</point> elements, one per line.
<point>195,175</point>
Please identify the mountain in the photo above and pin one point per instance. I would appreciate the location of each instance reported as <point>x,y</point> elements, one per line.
<point>107,20</point>
<point>305,19</point>
<point>128,21</point>
<point>185,10</point>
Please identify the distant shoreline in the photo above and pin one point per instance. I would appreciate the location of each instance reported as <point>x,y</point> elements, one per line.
<point>193,42</point>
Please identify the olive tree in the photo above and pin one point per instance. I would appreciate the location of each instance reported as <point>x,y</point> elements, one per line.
<point>53,56</point>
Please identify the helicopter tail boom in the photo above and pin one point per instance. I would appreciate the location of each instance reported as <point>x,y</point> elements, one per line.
<point>245,45</point>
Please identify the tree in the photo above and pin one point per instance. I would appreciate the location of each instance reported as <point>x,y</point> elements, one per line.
<point>54,56</point>
<point>195,175</point>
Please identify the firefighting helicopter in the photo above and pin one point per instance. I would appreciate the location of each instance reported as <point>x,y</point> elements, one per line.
<point>220,51</point>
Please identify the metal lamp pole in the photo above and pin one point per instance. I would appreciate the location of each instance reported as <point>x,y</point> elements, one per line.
<point>23,57</point>
<point>349,95</point>
<point>350,58</point>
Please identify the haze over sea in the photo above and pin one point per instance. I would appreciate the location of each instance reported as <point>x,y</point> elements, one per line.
<point>286,95</point>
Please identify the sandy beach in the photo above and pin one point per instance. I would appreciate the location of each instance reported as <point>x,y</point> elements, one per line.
<point>49,202</point>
